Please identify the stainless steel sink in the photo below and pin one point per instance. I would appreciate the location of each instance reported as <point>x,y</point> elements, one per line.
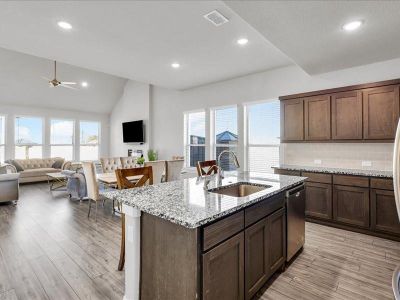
<point>239,190</point>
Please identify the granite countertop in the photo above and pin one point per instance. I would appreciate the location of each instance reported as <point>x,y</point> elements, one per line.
<point>359,172</point>
<point>186,203</point>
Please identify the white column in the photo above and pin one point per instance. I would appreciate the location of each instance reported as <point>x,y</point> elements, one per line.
<point>132,252</point>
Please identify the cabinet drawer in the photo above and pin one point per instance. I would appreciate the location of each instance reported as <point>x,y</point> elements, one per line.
<point>287,172</point>
<point>221,230</point>
<point>317,177</point>
<point>261,209</point>
<point>351,180</point>
<point>382,183</point>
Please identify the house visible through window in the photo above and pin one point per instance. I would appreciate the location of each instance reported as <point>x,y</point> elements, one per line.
<point>62,139</point>
<point>226,135</point>
<point>2,138</point>
<point>263,136</point>
<point>195,138</point>
<point>28,137</point>
<point>89,140</point>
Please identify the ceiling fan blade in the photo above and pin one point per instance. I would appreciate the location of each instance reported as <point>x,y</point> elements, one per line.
<point>68,87</point>
<point>67,82</point>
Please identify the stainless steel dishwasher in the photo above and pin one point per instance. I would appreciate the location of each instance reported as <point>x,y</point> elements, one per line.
<point>295,214</point>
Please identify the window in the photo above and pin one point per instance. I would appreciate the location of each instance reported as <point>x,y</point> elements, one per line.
<point>263,136</point>
<point>28,137</point>
<point>62,139</point>
<point>195,138</point>
<point>89,140</point>
<point>226,135</point>
<point>2,137</point>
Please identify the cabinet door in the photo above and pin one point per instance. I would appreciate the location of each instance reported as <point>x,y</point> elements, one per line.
<point>277,240</point>
<point>256,257</point>
<point>351,205</point>
<point>223,270</point>
<point>383,212</point>
<point>347,116</point>
<point>317,116</point>
<point>381,112</point>
<point>292,120</point>
<point>319,200</point>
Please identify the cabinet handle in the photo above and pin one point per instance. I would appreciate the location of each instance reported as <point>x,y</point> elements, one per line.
<point>297,194</point>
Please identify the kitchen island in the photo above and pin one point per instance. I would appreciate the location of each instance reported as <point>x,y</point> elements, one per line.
<point>191,239</point>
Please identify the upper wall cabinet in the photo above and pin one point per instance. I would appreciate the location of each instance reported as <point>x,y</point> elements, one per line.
<point>292,120</point>
<point>317,117</point>
<point>354,113</point>
<point>381,112</point>
<point>347,116</point>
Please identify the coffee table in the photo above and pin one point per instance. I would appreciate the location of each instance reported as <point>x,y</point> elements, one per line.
<point>56,181</point>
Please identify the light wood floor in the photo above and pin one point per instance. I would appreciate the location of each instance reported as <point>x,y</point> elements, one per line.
<point>50,250</point>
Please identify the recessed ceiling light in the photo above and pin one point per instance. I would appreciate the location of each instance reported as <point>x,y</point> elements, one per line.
<point>242,41</point>
<point>175,65</point>
<point>352,25</point>
<point>84,84</point>
<point>64,25</point>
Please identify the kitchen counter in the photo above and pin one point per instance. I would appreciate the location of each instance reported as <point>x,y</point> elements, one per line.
<point>186,203</point>
<point>357,172</point>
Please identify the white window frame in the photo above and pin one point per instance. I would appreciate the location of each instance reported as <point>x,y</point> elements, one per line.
<point>73,135</point>
<point>247,145</point>
<point>27,144</point>
<point>99,138</point>
<point>4,135</point>
<point>213,141</point>
<point>186,137</point>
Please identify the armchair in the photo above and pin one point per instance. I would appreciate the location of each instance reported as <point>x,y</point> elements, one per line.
<point>9,184</point>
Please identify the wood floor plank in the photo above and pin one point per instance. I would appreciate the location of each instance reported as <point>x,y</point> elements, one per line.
<point>8,295</point>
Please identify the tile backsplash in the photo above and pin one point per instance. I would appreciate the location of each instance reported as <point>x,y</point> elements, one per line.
<point>374,156</point>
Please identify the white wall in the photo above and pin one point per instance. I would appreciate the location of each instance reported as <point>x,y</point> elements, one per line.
<point>167,106</point>
<point>10,111</point>
<point>133,105</point>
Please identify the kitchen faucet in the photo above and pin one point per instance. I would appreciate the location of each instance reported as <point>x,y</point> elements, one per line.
<point>220,173</point>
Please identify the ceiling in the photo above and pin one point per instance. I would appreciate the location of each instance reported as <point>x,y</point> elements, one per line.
<point>139,39</point>
<point>310,32</point>
<point>21,83</point>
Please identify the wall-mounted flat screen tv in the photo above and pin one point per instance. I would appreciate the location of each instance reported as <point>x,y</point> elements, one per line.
<point>133,132</point>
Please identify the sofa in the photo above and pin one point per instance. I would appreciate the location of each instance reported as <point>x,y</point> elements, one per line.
<point>9,185</point>
<point>35,170</point>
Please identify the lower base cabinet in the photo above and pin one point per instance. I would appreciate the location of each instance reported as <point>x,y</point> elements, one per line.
<point>351,205</point>
<point>223,270</point>
<point>319,200</point>
<point>237,268</point>
<point>383,212</point>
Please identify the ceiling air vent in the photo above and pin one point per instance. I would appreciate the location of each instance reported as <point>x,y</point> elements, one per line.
<point>216,18</point>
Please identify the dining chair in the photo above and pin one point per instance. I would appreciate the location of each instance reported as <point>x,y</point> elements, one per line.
<point>210,164</point>
<point>124,183</point>
<point>110,164</point>
<point>173,169</point>
<point>92,186</point>
<point>158,167</point>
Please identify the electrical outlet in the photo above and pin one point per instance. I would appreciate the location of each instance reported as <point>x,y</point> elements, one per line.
<point>366,163</point>
<point>317,161</point>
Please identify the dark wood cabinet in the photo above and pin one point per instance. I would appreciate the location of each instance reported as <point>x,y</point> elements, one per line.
<point>287,172</point>
<point>317,117</point>
<point>257,257</point>
<point>223,270</point>
<point>380,112</point>
<point>347,119</point>
<point>319,200</point>
<point>351,205</point>
<point>265,248</point>
<point>383,212</point>
<point>292,118</point>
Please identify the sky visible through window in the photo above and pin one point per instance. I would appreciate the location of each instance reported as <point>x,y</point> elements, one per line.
<point>197,124</point>
<point>89,132</point>
<point>28,130</point>
<point>264,124</point>
<point>61,132</point>
<point>226,120</point>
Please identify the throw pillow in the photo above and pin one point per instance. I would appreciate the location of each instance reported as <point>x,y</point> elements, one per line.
<point>58,164</point>
<point>17,165</point>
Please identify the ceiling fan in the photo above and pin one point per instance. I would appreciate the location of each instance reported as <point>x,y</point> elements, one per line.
<point>55,82</point>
